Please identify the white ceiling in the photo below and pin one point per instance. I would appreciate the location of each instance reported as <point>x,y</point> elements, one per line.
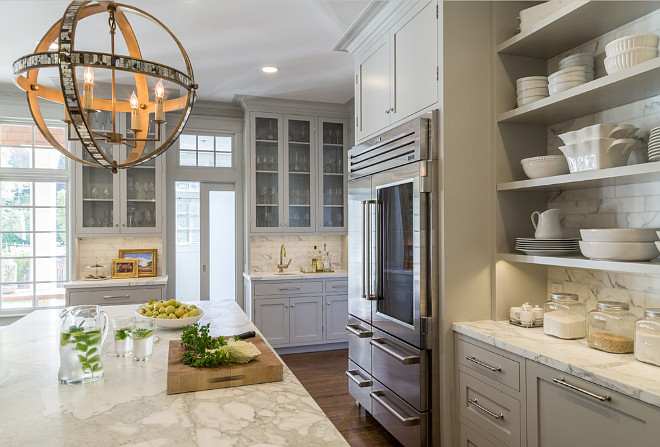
<point>227,42</point>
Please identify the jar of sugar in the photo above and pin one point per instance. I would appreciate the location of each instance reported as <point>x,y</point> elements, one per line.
<point>647,337</point>
<point>564,316</point>
<point>611,327</point>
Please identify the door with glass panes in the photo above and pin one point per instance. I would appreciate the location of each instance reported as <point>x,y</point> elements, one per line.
<point>333,199</point>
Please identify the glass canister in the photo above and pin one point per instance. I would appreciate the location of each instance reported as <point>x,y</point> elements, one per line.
<point>647,337</point>
<point>611,327</point>
<point>564,316</point>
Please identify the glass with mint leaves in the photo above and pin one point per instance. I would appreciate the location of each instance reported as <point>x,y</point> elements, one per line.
<point>142,334</point>
<point>121,327</point>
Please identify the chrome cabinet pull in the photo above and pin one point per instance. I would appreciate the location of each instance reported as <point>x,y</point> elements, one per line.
<point>407,421</point>
<point>289,288</point>
<point>114,297</point>
<point>485,365</point>
<point>352,373</point>
<point>561,381</point>
<point>357,330</point>
<point>485,410</point>
<point>380,343</point>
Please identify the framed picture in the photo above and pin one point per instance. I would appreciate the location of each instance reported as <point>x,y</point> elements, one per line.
<point>125,268</point>
<point>146,260</point>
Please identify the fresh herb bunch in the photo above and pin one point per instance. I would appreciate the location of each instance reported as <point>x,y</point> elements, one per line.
<point>122,334</point>
<point>143,333</point>
<point>202,350</point>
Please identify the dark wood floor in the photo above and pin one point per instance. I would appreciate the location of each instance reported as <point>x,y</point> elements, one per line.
<point>323,374</point>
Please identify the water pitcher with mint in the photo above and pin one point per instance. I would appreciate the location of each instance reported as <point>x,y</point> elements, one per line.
<point>82,332</point>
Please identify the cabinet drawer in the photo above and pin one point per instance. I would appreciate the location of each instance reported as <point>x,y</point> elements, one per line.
<point>115,295</point>
<point>406,424</point>
<point>287,287</point>
<point>493,411</point>
<point>337,286</point>
<point>471,437</point>
<point>359,336</point>
<point>490,364</point>
<point>360,384</point>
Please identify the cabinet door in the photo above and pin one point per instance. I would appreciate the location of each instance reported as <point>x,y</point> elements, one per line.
<point>336,317</point>
<point>414,62</point>
<point>373,109</point>
<point>266,164</point>
<point>141,198</point>
<point>272,318</point>
<point>332,197</point>
<point>300,178</point>
<point>306,315</point>
<point>560,416</point>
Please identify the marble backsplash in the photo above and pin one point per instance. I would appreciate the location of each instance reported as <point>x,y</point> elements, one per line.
<point>265,251</point>
<point>622,206</point>
<point>107,249</point>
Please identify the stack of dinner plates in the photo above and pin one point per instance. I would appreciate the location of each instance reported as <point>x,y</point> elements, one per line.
<point>654,144</point>
<point>547,247</point>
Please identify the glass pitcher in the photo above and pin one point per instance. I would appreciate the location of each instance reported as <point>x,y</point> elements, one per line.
<point>82,332</point>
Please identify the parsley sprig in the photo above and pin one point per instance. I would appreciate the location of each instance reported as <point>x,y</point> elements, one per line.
<point>202,350</point>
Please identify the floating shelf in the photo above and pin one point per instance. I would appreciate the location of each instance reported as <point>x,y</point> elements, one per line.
<point>624,87</point>
<point>644,268</point>
<point>641,173</point>
<point>573,25</point>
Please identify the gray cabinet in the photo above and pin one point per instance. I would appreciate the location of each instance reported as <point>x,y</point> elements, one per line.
<point>470,436</point>
<point>272,318</point>
<point>114,295</point>
<point>306,319</point>
<point>372,89</point>
<point>336,317</point>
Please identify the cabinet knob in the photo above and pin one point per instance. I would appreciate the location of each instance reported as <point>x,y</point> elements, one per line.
<point>328,303</point>
<point>292,305</point>
<point>387,111</point>
<point>116,225</point>
<point>286,305</point>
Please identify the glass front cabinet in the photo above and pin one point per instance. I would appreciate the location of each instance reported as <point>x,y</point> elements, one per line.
<point>297,165</point>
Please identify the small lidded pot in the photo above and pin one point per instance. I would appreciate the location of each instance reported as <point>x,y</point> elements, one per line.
<point>564,316</point>
<point>611,327</point>
<point>647,337</point>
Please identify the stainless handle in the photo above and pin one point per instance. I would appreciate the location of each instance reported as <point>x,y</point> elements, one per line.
<point>343,286</point>
<point>561,381</point>
<point>351,373</point>
<point>485,410</point>
<point>289,288</point>
<point>485,365</point>
<point>407,421</point>
<point>380,343</point>
<point>370,295</point>
<point>364,258</point>
<point>112,297</point>
<point>357,330</point>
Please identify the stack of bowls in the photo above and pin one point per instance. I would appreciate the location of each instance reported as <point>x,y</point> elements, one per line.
<point>531,88</point>
<point>585,60</point>
<point>620,244</point>
<point>567,78</point>
<point>654,144</point>
<point>599,146</point>
<point>629,51</point>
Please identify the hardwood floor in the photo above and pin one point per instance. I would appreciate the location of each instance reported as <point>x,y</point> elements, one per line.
<point>323,374</point>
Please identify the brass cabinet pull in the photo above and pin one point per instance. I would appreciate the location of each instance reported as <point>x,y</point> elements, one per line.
<point>485,410</point>
<point>562,382</point>
<point>353,373</point>
<point>485,365</point>
<point>357,330</point>
<point>405,359</point>
<point>407,421</point>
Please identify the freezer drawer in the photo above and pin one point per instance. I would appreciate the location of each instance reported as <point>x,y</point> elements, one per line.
<point>359,349</point>
<point>406,424</point>
<point>359,385</point>
<point>401,367</point>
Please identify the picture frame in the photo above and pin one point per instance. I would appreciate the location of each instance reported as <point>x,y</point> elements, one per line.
<point>147,260</point>
<point>124,268</point>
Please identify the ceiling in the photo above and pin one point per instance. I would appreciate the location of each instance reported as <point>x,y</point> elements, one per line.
<point>227,41</point>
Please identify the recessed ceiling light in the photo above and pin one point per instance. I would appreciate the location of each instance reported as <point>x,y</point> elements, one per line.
<point>270,69</point>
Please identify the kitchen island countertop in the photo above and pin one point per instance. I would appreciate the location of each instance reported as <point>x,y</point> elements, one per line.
<point>129,406</point>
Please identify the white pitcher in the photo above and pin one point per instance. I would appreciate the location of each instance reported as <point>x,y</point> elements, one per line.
<point>548,226</point>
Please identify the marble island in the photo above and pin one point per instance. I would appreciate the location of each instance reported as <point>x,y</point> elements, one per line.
<point>129,406</point>
<point>619,372</point>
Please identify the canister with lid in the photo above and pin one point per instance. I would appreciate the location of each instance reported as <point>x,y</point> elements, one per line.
<point>611,327</point>
<point>647,337</point>
<point>564,316</point>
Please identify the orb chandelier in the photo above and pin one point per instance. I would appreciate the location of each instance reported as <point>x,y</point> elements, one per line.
<point>56,50</point>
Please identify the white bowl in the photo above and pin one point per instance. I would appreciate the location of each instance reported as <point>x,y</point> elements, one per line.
<point>599,153</point>
<point>545,166</point>
<point>630,42</point>
<point>620,251</point>
<point>171,324</point>
<point>629,58</point>
<point>532,79</point>
<point>619,235</point>
<point>576,60</point>
<point>534,91</point>
<point>529,99</point>
<point>580,70</point>
<point>562,86</point>
<point>598,131</point>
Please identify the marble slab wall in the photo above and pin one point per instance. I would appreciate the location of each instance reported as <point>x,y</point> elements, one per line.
<point>107,248</point>
<point>265,251</point>
<point>620,206</point>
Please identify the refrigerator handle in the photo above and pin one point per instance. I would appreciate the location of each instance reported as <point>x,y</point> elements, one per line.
<point>364,258</point>
<point>370,293</point>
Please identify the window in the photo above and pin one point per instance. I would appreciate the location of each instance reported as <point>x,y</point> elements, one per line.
<point>205,150</point>
<point>33,218</point>
<point>187,213</point>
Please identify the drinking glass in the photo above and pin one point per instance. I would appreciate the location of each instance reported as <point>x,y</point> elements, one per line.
<point>121,329</point>
<point>142,333</point>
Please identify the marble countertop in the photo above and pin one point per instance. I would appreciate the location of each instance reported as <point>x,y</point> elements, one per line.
<point>119,282</point>
<point>269,276</point>
<point>129,405</point>
<point>619,372</point>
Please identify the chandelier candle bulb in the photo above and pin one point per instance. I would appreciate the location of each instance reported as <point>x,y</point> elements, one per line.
<point>160,91</point>
<point>88,90</point>
<point>134,112</point>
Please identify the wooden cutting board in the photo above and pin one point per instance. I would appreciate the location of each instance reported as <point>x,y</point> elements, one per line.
<point>183,378</point>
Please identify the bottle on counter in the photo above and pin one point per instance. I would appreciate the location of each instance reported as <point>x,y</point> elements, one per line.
<point>611,327</point>
<point>647,337</point>
<point>564,316</point>
<point>327,265</point>
<point>314,260</point>
<point>319,261</point>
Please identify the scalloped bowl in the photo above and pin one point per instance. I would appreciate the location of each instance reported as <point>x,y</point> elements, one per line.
<point>545,166</point>
<point>629,58</point>
<point>179,323</point>
<point>630,42</point>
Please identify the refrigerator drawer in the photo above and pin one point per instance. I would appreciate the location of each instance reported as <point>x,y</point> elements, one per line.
<point>406,424</point>
<point>400,367</point>
<point>360,385</point>
<point>359,349</point>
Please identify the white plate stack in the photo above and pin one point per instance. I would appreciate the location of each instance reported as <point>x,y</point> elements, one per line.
<point>547,247</point>
<point>629,51</point>
<point>568,78</point>
<point>654,144</point>
<point>585,60</point>
<point>531,88</point>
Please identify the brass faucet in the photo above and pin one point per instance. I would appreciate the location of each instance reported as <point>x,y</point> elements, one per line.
<point>282,265</point>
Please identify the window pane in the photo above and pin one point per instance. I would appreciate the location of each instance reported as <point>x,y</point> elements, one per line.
<point>222,160</point>
<point>49,194</point>
<point>50,294</point>
<point>49,159</point>
<point>16,296</point>
<point>45,219</point>
<point>204,143</point>
<point>58,132</point>
<point>17,270</point>
<point>193,221</point>
<point>188,142</point>
<point>193,186</point>
<point>50,269</point>
<point>194,236</point>
<point>205,159</point>
<point>12,135</point>
<point>16,244</point>
<point>223,144</point>
<point>182,221</point>
<point>181,236</point>
<point>16,219</point>
<point>16,157</point>
<point>187,158</point>
<point>193,208</point>
<point>49,244</point>
<point>15,194</point>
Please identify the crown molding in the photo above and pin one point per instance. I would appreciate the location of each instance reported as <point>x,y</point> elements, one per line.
<point>276,105</point>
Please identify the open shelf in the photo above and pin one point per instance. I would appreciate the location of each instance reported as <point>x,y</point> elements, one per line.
<point>644,268</point>
<point>333,144</point>
<point>623,175</point>
<point>97,200</point>
<point>573,25</point>
<point>624,87</point>
<point>266,172</point>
